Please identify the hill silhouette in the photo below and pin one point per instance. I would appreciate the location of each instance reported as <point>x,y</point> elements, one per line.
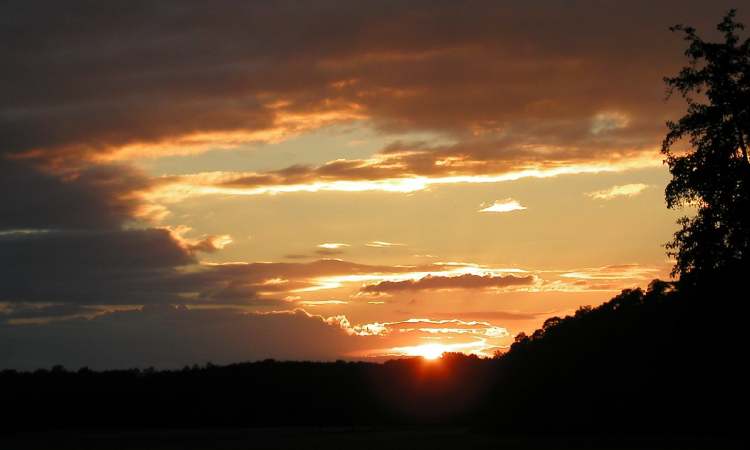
<point>661,360</point>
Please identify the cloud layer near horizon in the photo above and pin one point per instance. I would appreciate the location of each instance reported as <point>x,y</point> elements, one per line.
<point>172,337</point>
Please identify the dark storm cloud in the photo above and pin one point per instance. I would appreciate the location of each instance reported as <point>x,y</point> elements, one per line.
<point>148,266</point>
<point>31,311</point>
<point>171,337</point>
<point>97,197</point>
<point>101,267</point>
<point>100,76</point>
<point>118,267</point>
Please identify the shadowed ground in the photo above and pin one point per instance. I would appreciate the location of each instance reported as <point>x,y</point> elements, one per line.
<point>343,438</point>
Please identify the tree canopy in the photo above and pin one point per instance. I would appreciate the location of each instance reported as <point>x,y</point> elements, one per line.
<point>713,175</point>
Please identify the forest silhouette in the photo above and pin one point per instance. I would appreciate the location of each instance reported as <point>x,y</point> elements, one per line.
<point>667,359</point>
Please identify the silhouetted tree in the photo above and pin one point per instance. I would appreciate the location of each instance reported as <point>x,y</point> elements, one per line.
<point>713,175</point>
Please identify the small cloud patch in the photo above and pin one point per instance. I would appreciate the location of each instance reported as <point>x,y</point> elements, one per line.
<point>333,245</point>
<point>608,121</point>
<point>502,206</point>
<point>383,244</point>
<point>625,190</point>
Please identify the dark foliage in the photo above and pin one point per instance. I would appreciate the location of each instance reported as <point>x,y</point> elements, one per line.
<point>656,361</point>
<point>714,174</point>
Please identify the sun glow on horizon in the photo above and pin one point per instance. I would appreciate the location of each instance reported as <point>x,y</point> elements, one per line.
<point>427,351</point>
<point>434,350</point>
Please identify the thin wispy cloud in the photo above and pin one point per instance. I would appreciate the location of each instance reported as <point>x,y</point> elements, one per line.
<point>333,245</point>
<point>503,206</point>
<point>624,190</point>
<point>322,302</point>
<point>383,244</point>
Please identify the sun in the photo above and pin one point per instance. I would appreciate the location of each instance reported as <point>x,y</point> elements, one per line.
<point>428,351</point>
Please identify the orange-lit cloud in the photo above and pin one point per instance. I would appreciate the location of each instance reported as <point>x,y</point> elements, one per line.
<point>614,272</point>
<point>396,178</point>
<point>204,244</point>
<point>283,126</point>
<point>481,338</point>
<point>625,190</point>
<point>447,326</point>
<point>494,85</point>
<point>322,302</point>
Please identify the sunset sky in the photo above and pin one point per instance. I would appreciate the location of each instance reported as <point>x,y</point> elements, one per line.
<point>184,182</point>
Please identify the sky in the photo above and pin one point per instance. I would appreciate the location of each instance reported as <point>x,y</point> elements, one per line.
<point>184,182</point>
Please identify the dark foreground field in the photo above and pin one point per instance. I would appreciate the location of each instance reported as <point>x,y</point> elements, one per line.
<point>345,438</point>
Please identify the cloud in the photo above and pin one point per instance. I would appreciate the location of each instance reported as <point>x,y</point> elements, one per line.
<point>328,252</point>
<point>605,122</point>
<point>465,281</point>
<point>56,318</point>
<point>297,256</point>
<point>501,206</point>
<point>401,172</point>
<point>323,302</point>
<point>493,315</point>
<point>614,272</point>
<point>333,245</point>
<point>158,265</point>
<point>44,312</point>
<point>509,92</point>
<point>383,244</point>
<point>610,278</point>
<point>443,276</point>
<point>172,337</point>
<point>508,83</point>
<point>331,248</point>
<point>161,266</point>
<point>445,326</point>
<point>437,336</point>
<point>477,337</point>
<point>95,197</point>
<point>92,267</point>
<point>625,190</point>
<point>207,244</point>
